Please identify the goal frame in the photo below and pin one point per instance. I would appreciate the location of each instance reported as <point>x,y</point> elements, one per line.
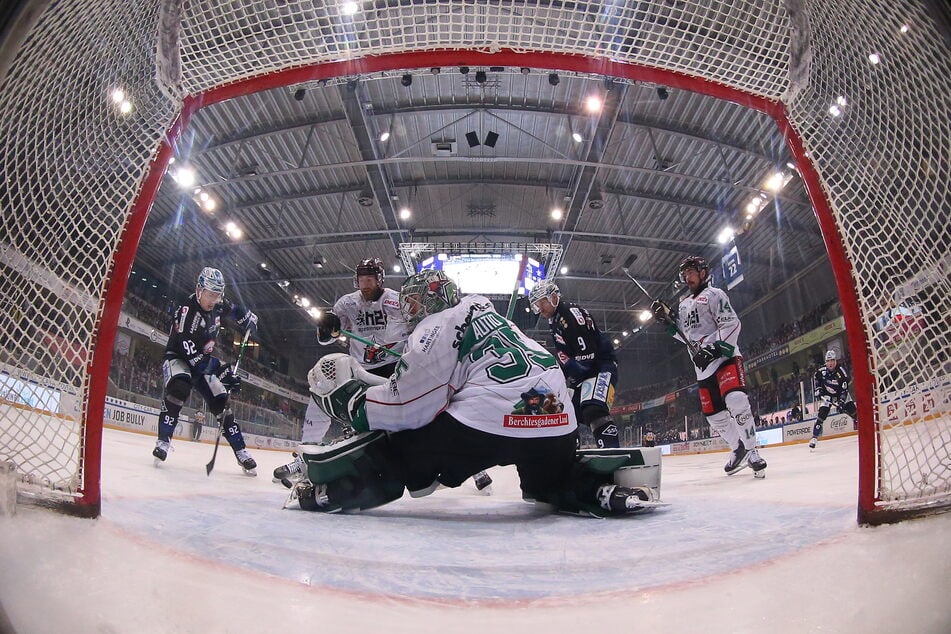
<point>553,61</point>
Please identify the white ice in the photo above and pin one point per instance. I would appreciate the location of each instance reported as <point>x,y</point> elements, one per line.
<point>178,551</point>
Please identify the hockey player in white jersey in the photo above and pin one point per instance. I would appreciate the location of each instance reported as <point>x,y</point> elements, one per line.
<point>373,313</point>
<point>471,391</point>
<point>707,320</point>
<point>831,387</point>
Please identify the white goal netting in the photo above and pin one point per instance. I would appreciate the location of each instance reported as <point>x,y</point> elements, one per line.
<point>865,87</point>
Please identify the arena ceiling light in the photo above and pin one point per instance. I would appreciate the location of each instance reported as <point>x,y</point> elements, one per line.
<point>577,137</point>
<point>405,213</point>
<point>593,104</point>
<point>557,213</point>
<point>233,231</point>
<point>726,234</point>
<point>185,176</point>
<point>349,8</point>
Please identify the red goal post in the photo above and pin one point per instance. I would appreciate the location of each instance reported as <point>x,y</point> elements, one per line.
<point>80,174</point>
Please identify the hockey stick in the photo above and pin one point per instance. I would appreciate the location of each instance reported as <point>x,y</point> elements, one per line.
<point>234,370</point>
<point>347,333</point>
<point>691,346</point>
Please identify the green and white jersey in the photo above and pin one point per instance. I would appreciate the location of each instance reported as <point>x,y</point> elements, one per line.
<point>707,318</point>
<point>480,368</point>
<point>379,320</point>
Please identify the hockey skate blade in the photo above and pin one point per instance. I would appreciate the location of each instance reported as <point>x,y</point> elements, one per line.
<point>738,469</point>
<point>157,463</point>
<point>251,473</point>
<point>646,507</point>
<point>486,490</point>
<point>759,475</point>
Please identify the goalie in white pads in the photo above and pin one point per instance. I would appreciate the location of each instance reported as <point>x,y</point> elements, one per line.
<point>457,404</point>
<point>706,317</point>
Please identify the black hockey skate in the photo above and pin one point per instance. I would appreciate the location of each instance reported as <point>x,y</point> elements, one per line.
<point>160,453</point>
<point>313,497</point>
<point>737,461</point>
<point>246,461</point>
<point>291,472</point>
<point>756,463</point>
<point>618,500</point>
<point>483,483</point>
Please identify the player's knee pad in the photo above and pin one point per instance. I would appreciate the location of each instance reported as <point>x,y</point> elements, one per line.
<point>358,472</point>
<point>605,432</point>
<point>739,404</point>
<point>176,393</point>
<point>593,411</point>
<point>849,408</point>
<point>823,413</point>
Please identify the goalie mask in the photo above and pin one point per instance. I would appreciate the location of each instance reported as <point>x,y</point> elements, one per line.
<point>210,280</point>
<point>695,262</point>
<point>543,290</point>
<point>370,266</point>
<point>427,293</point>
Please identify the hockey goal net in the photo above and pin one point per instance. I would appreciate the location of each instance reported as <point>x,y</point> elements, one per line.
<point>860,88</point>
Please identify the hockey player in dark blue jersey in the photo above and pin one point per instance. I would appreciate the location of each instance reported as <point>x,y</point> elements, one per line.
<point>190,363</point>
<point>587,358</point>
<point>831,387</point>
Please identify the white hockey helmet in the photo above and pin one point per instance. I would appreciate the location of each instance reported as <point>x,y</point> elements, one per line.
<point>545,289</point>
<point>831,355</point>
<point>427,293</point>
<point>211,280</point>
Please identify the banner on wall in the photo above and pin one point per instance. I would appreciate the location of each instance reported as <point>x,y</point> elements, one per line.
<point>732,268</point>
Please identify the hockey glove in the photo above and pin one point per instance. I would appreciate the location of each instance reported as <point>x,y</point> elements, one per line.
<point>705,356</point>
<point>346,404</point>
<point>328,328</point>
<point>662,312</point>
<point>711,352</point>
<point>249,322</point>
<point>230,380</point>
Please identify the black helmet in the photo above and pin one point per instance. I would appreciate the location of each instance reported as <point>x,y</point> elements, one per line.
<point>370,266</point>
<point>693,262</point>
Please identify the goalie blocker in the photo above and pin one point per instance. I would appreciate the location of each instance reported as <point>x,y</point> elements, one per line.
<point>362,472</point>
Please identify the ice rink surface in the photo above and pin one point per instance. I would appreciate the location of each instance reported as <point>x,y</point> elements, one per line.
<point>178,551</point>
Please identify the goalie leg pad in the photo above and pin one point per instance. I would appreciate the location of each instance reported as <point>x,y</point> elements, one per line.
<point>630,468</point>
<point>595,468</point>
<point>354,474</point>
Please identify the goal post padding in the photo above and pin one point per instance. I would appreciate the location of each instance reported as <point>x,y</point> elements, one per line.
<point>79,189</point>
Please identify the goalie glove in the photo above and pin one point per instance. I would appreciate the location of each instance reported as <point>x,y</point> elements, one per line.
<point>328,328</point>
<point>711,352</point>
<point>662,312</point>
<point>346,404</point>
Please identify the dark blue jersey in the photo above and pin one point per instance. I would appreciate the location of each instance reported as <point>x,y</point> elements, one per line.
<point>195,331</point>
<point>582,349</point>
<point>833,384</point>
